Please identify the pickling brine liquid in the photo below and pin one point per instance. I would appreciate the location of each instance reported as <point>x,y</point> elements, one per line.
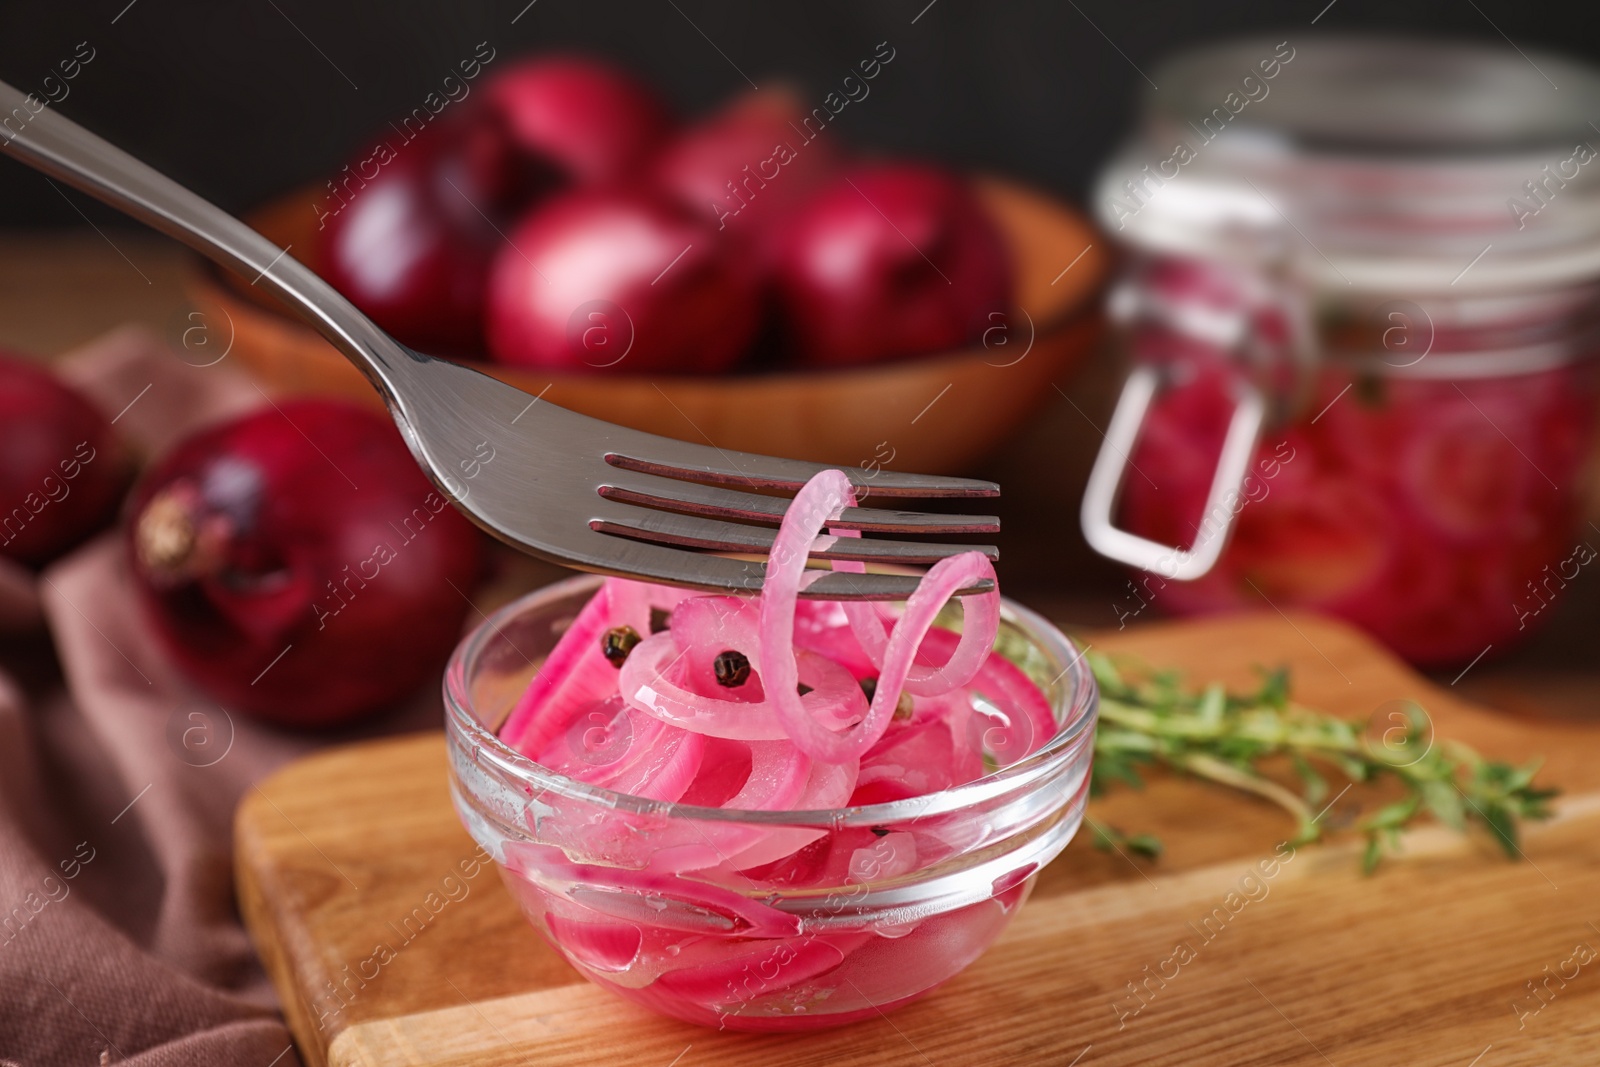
<point>708,964</point>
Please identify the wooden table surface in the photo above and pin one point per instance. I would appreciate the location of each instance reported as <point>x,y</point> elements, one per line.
<point>61,289</point>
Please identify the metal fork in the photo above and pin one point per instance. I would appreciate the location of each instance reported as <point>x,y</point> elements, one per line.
<point>563,486</point>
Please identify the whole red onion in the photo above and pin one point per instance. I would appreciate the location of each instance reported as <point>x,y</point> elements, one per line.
<point>296,563</point>
<point>61,470</point>
<point>750,166</point>
<point>891,261</point>
<point>413,225</point>
<point>588,119</point>
<point>612,278</point>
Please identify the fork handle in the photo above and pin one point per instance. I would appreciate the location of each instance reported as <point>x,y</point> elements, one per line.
<point>35,133</point>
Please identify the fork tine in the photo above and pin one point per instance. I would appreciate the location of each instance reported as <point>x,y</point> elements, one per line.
<point>651,562</point>
<point>716,502</point>
<point>715,466</point>
<point>841,585</point>
<point>694,532</point>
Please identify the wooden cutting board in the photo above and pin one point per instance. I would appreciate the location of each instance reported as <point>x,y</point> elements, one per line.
<point>1428,962</point>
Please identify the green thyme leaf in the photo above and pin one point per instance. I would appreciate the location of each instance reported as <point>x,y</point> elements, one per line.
<point>1145,845</point>
<point>1154,718</point>
<point>1371,855</point>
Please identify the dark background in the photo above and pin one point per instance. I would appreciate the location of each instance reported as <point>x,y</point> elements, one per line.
<point>242,99</point>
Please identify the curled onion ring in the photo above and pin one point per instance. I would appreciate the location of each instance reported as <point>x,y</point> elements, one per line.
<point>821,498</point>
<point>646,682</point>
<point>980,623</point>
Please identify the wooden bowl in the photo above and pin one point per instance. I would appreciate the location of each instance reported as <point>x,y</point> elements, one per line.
<point>934,413</point>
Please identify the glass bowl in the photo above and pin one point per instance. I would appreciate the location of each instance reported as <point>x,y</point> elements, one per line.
<point>920,887</point>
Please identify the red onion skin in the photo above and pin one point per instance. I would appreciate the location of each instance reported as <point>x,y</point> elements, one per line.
<point>614,281</point>
<point>750,167</point>
<point>410,237</point>
<point>892,261</point>
<point>305,527</point>
<point>588,119</point>
<point>62,472</point>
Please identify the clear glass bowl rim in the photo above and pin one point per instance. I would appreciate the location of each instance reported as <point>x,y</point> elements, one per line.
<point>1079,694</point>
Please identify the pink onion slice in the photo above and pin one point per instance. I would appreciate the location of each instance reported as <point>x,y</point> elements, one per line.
<point>887,858</point>
<point>560,686</point>
<point>818,500</point>
<point>601,946</point>
<point>724,770</point>
<point>828,786</point>
<point>778,775</point>
<point>705,626</point>
<point>648,681</point>
<point>821,626</point>
<point>601,742</point>
<point>733,975</point>
<point>913,760</point>
<point>667,768</point>
<point>576,674</point>
<point>1030,720</point>
<point>648,896</point>
<point>980,623</point>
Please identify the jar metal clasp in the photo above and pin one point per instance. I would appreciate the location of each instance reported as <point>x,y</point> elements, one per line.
<point>1264,393</point>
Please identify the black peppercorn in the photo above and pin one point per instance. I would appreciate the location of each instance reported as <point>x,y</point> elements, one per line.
<point>617,642</point>
<point>660,619</point>
<point>732,668</point>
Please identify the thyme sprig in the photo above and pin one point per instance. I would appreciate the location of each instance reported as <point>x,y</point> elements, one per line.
<point>1154,718</point>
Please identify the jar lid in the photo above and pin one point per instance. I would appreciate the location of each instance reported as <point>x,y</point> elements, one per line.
<point>1383,164</point>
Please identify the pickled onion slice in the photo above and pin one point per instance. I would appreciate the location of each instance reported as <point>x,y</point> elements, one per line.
<point>872,630</point>
<point>648,681</point>
<point>600,743</point>
<point>602,946</point>
<point>666,769</point>
<point>888,857</point>
<point>914,760</point>
<point>778,775</point>
<point>725,769</point>
<point>981,615</point>
<point>821,626</point>
<point>823,497</point>
<point>828,786</point>
<point>1028,721</point>
<point>703,627</point>
<point>754,776</point>
<point>648,896</point>
<point>729,978</point>
<point>576,675</point>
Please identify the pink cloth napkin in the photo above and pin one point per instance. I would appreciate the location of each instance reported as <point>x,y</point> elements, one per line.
<point>119,936</point>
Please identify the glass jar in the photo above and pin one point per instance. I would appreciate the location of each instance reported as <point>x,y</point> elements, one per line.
<point>860,909</point>
<point>1360,304</point>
